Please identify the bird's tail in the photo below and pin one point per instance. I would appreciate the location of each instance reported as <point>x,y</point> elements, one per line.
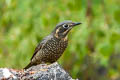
<point>28,66</point>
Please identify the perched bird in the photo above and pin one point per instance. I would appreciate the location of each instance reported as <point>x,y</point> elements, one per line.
<point>52,47</point>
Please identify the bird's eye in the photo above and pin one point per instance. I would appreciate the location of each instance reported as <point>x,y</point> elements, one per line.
<point>65,25</point>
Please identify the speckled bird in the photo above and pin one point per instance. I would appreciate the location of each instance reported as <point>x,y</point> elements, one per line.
<point>52,47</point>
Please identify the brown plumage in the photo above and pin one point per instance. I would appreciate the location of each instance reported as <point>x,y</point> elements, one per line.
<point>52,47</point>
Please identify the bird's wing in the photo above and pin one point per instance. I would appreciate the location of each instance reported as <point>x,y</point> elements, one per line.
<point>40,45</point>
<point>37,49</point>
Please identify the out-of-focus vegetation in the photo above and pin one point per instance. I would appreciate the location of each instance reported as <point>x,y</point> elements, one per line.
<point>94,47</point>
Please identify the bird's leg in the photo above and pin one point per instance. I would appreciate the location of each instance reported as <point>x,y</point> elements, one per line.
<point>33,72</point>
<point>44,67</point>
<point>43,64</point>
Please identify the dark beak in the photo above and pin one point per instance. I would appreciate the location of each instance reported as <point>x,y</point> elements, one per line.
<point>76,23</point>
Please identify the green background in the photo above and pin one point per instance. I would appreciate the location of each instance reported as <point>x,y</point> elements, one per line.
<point>93,52</point>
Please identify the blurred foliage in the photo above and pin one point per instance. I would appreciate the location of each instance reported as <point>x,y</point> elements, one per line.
<point>94,47</point>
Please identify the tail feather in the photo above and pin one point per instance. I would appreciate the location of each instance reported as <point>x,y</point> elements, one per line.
<point>28,66</point>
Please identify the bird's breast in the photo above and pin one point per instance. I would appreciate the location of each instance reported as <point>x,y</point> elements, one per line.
<point>54,48</point>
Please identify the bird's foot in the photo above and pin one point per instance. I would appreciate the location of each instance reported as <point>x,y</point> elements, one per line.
<point>44,67</point>
<point>32,72</point>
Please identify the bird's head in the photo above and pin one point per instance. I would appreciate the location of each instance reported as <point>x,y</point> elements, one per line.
<point>63,28</point>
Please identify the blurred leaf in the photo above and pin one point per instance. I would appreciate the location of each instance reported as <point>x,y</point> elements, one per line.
<point>117,15</point>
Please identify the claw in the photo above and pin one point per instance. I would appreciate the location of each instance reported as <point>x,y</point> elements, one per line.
<point>43,69</point>
<point>33,72</point>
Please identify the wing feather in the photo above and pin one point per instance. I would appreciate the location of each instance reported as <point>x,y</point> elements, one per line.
<point>40,45</point>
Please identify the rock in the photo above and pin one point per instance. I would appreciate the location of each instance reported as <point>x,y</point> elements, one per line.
<point>40,72</point>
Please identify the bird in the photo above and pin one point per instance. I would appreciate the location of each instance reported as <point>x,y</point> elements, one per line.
<point>50,49</point>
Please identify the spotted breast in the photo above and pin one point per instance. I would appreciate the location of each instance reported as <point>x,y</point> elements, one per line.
<point>51,51</point>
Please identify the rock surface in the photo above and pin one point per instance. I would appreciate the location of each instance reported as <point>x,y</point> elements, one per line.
<point>40,72</point>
